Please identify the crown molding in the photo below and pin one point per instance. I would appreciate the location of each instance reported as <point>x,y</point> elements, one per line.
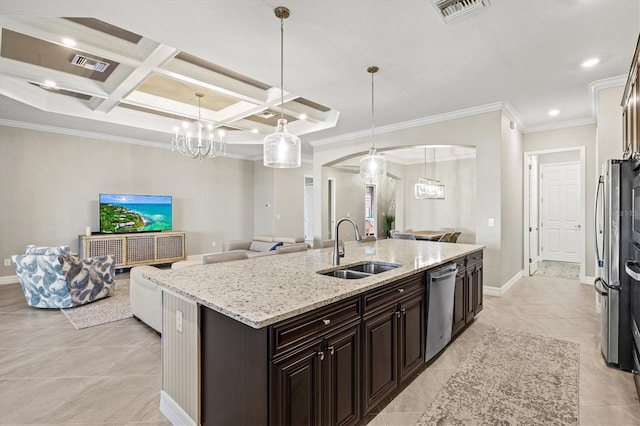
<point>411,123</point>
<point>93,135</point>
<point>560,125</point>
<point>598,85</point>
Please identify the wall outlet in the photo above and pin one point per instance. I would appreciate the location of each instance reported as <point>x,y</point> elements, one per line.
<point>213,243</point>
<point>179,321</point>
<point>492,222</point>
<point>7,262</point>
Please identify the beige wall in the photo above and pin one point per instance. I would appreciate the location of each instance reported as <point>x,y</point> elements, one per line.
<point>482,131</point>
<point>49,186</point>
<point>457,210</point>
<point>349,201</point>
<point>609,132</point>
<point>574,137</point>
<point>511,196</point>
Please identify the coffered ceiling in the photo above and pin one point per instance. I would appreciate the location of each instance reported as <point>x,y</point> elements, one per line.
<point>522,55</point>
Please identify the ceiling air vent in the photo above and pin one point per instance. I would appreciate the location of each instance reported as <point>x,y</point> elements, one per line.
<point>89,63</point>
<point>266,114</point>
<point>454,10</point>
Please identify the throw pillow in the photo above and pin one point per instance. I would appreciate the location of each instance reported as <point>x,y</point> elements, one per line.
<point>276,245</point>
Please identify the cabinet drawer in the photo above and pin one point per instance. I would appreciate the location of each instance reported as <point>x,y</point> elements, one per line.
<point>391,294</point>
<point>474,258</point>
<point>306,327</point>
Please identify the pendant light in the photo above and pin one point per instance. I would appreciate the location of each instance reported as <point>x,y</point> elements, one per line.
<point>373,167</point>
<point>201,141</point>
<point>282,149</point>
<point>429,188</point>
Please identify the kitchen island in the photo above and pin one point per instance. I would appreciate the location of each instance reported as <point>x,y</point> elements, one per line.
<point>269,340</point>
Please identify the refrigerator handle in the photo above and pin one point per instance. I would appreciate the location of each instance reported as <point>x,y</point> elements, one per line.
<point>601,291</point>
<point>599,261</point>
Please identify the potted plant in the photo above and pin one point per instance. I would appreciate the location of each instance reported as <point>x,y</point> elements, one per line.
<point>389,223</point>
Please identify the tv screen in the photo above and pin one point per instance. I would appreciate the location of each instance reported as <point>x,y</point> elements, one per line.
<point>135,213</point>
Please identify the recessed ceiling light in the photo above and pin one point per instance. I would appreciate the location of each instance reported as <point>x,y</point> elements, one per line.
<point>590,62</point>
<point>49,84</point>
<point>303,116</point>
<point>554,112</point>
<point>254,130</point>
<point>69,41</point>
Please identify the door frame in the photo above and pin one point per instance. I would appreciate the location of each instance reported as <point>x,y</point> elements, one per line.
<point>331,189</point>
<point>582,214</point>
<point>304,207</point>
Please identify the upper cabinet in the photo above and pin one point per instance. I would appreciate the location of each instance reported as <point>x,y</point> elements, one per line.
<point>630,112</point>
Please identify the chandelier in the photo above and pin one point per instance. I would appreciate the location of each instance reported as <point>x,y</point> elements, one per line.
<point>429,188</point>
<point>373,167</point>
<point>199,139</point>
<point>282,149</point>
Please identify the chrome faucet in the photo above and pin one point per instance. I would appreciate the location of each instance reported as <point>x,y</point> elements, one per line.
<point>336,253</point>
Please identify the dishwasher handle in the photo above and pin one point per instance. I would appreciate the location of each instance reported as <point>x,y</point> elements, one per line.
<point>444,273</point>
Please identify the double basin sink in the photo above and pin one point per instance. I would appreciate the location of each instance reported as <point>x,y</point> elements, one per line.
<point>361,270</point>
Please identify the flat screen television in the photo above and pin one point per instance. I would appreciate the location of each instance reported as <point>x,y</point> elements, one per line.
<point>135,213</point>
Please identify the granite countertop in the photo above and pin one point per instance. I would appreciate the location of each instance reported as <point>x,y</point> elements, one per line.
<point>264,290</point>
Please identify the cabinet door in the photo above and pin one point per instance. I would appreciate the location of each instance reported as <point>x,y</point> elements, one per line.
<point>476,283</point>
<point>296,388</point>
<point>341,370</point>
<point>468,286</point>
<point>458,303</point>
<point>380,367</point>
<point>412,334</point>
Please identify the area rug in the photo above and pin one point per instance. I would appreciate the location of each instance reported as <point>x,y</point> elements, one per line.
<point>103,311</point>
<point>550,268</point>
<point>511,378</point>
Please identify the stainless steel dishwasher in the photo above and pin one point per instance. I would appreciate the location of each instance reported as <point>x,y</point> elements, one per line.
<point>440,291</point>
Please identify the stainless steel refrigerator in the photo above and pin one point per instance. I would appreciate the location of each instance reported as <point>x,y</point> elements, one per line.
<point>613,227</point>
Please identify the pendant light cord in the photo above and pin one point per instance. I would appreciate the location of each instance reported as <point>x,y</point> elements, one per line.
<point>282,68</point>
<point>373,142</point>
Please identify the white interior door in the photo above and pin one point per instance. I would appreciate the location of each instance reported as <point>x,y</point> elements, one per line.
<point>533,215</point>
<point>308,208</point>
<point>560,205</point>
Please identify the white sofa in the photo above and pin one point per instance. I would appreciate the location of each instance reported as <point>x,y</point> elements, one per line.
<point>145,297</point>
<point>261,245</point>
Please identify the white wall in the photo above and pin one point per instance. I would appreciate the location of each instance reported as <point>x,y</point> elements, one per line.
<point>349,200</point>
<point>457,210</point>
<point>49,186</point>
<point>573,137</point>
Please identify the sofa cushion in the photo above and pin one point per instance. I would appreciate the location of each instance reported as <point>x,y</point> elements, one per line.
<point>289,240</point>
<point>260,245</point>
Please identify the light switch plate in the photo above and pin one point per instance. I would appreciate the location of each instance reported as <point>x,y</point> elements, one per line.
<point>7,262</point>
<point>492,222</point>
<point>179,321</point>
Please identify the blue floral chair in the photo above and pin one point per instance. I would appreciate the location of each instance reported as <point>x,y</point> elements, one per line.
<point>51,277</point>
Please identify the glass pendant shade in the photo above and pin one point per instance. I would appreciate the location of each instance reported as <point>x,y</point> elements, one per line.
<point>429,189</point>
<point>373,167</point>
<point>282,150</point>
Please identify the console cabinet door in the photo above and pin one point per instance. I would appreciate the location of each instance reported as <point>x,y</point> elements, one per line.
<point>341,370</point>
<point>459,312</point>
<point>412,334</point>
<point>476,283</point>
<point>296,388</point>
<point>469,300</point>
<point>380,368</point>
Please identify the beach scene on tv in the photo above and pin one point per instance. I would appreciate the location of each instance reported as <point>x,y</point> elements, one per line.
<point>135,213</point>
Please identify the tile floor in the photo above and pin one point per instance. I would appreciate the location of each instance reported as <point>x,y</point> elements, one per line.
<point>51,373</point>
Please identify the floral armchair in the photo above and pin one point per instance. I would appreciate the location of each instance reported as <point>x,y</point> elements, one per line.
<point>51,277</point>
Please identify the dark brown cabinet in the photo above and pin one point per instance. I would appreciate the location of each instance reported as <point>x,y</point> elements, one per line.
<point>468,294</point>
<point>631,109</point>
<point>315,367</point>
<point>394,339</point>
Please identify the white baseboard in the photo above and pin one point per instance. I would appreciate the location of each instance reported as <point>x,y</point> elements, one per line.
<point>499,291</point>
<point>587,280</point>
<point>9,279</point>
<point>174,412</point>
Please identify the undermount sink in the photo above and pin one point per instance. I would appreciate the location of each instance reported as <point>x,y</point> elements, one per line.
<point>361,270</point>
